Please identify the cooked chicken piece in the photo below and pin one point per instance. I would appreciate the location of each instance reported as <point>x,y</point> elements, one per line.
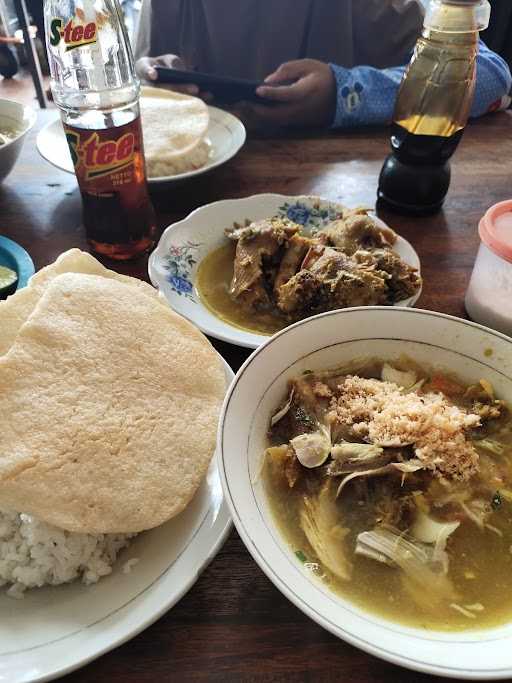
<point>484,403</point>
<point>257,244</point>
<point>276,266</point>
<point>321,390</point>
<point>404,279</point>
<point>297,421</point>
<point>248,285</point>
<point>301,295</point>
<point>280,229</point>
<point>331,262</point>
<point>303,413</point>
<point>238,231</point>
<point>296,249</point>
<point>487,411</point>
<point>358,231</point>
<point>313,254</point>
<point>333,281</point>
<point>284,464</point>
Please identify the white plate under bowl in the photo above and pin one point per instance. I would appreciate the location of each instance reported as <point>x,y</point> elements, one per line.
<point>471,351</point>
<point>173,264</point>
<point>225,132</point>
<point>55,630</point>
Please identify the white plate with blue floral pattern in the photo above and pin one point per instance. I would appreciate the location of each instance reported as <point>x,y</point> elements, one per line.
<point>174,263</point>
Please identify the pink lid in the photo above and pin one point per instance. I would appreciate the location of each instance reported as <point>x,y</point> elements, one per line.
<point>495,229</point>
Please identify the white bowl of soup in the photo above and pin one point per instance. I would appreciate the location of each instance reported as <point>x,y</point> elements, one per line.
<point>366,455</point>
<point>16,120</point>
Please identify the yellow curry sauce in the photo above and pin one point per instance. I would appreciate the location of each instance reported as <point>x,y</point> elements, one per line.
<point>213,280</point>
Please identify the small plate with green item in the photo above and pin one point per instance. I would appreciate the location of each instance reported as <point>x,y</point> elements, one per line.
<point>16,267</point>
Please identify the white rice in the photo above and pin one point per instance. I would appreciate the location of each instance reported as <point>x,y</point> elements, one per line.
<point>34,554</point>
<point>170,165</point>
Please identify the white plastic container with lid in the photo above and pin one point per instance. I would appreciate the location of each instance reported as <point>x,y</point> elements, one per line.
<point>489,295</point>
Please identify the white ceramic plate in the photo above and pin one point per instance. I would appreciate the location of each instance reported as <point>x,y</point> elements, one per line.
<point>173,264</point>
<point>469,350</point>
<point>55,630</point>
<point>225,132</point>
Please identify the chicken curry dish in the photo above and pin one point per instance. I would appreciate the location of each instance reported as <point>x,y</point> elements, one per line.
<point>393,485</point>
<point>271,274</point>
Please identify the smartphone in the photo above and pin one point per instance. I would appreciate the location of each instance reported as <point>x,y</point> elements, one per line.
<point>224,89</point>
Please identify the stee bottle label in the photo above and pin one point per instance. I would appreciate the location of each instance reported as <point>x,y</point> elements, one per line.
<point>109,166</point>
<point>73,34</point>
<point>94,85</point>
<point>104,154</point>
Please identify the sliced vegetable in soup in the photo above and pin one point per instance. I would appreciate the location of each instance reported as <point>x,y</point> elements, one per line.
<point>393,484</point>
<point>7,134</point>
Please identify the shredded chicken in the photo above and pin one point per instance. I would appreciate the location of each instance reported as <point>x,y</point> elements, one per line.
<point>380,413</point>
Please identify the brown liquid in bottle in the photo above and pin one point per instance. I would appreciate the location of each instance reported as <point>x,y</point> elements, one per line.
<point>434,145</point>
<point>431,112</point>
<point>117,212</point>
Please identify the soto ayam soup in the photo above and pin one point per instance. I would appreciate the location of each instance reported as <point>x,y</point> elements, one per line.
<point>392,483</point>
<point>8,133</point>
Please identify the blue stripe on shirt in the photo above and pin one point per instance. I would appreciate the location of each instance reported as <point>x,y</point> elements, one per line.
<point>366,96</point>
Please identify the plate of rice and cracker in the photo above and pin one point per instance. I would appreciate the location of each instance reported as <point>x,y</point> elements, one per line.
<point>183,137</point>
<point>110,498</point>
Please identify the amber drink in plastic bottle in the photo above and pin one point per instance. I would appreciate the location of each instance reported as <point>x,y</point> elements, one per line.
<point>94,85</point>
<point>433,106</point>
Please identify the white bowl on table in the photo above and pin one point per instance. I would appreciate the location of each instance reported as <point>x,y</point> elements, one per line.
<point>469,350</point>
<point>21,118</point>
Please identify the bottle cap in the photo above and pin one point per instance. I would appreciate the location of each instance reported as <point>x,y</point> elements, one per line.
<point>457,16</point>
<point>495,229</point>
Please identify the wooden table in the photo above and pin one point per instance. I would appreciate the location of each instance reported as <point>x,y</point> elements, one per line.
<point>234,625</point>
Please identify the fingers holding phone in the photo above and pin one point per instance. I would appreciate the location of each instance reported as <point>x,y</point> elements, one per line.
<point>298,93</point>
<point>145,67</point>
<point>302,92</point>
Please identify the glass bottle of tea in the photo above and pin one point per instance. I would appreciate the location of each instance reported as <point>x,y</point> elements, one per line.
<point>94,85</point>
<point>433,106</point>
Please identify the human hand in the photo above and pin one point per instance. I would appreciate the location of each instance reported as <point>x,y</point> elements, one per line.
<point>16,40</point>
<point>310,99</point>
<point>145,68</point>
